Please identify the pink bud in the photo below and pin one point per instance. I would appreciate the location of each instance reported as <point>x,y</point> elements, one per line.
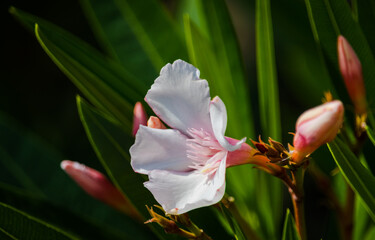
<point>154,122</point>
<point>99,187</point>
<point>351,71</point>
<point>139,117</point>
<point>316,127</point>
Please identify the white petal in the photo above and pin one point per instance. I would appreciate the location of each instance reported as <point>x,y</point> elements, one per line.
<point>159,149</point>
<point>218,114</point>
<point>180,192</point>
<point>180,98</point>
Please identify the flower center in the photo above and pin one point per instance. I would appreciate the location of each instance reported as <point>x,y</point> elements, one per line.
<point>204,150</point>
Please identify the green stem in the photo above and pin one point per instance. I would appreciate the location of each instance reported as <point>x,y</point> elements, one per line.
<point>298,203</point>
<point>247,230</point>
<point>199,233</point>
<point>349,213</point>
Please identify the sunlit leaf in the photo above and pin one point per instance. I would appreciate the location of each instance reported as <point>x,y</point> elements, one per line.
<point>360,178</point>
<point>268,197</point>
<point>290,230</point>
<point>370,134</point>
<point>155,31</point>
<point>19,225</point>
<point>266,72</point>
<point>117,38</point>
<point>62,217</point>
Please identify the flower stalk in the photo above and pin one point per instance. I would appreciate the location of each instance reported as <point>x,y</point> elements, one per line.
<point>247,230</point>
<point>297,196</point>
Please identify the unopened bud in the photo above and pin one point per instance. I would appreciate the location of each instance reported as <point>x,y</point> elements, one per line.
<point>351,71</point>
<point>99,187</point>
<point>316,127</point>
<point>154,122</point>
<point>139,117</point>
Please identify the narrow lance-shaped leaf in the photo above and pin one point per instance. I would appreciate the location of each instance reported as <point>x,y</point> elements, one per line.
<point>117,38</point>
<point>63,218</point>
<point>290,230</point>
<point>266,72</point>
<point>268,107</point>
<point>16,224</point>
<point>230,66</point>
<point>360,178</point>
<point>155,30</point>
<point>103,82</point>
<point>370,134</point>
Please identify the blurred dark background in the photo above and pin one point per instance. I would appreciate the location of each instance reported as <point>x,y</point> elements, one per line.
<point>34,91</point>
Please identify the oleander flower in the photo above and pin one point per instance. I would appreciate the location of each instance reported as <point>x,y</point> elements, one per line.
<point>186,164</point>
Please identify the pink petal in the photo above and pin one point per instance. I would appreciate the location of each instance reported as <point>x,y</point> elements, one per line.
<point>180,98</point>
<point>218,114</point>
<point>163,149</point>
<point>139,117</point>
<point>180,192</point>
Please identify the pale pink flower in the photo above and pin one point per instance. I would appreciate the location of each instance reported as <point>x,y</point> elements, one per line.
<point>186,164</point>
<point>316,127</point>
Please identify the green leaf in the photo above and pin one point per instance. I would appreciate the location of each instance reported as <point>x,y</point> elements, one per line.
<point>18,225</point>
<point>370,134</point>
<point>266,71</point>
<point>235,228</point>
<point>154,29</point>
<point>290,230</point>
<point>328,19</point>
<point>230,67</point>
<point>359,177</point>
<point>103,82</point>
<point>361,219</point>
<point>61,217</point>
<point>370,234</point>
<point>268,198</point>
<point>117,38</point>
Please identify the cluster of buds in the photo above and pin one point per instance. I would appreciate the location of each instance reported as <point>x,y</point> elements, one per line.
<point>274,151</point>
<point>171,224</point>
